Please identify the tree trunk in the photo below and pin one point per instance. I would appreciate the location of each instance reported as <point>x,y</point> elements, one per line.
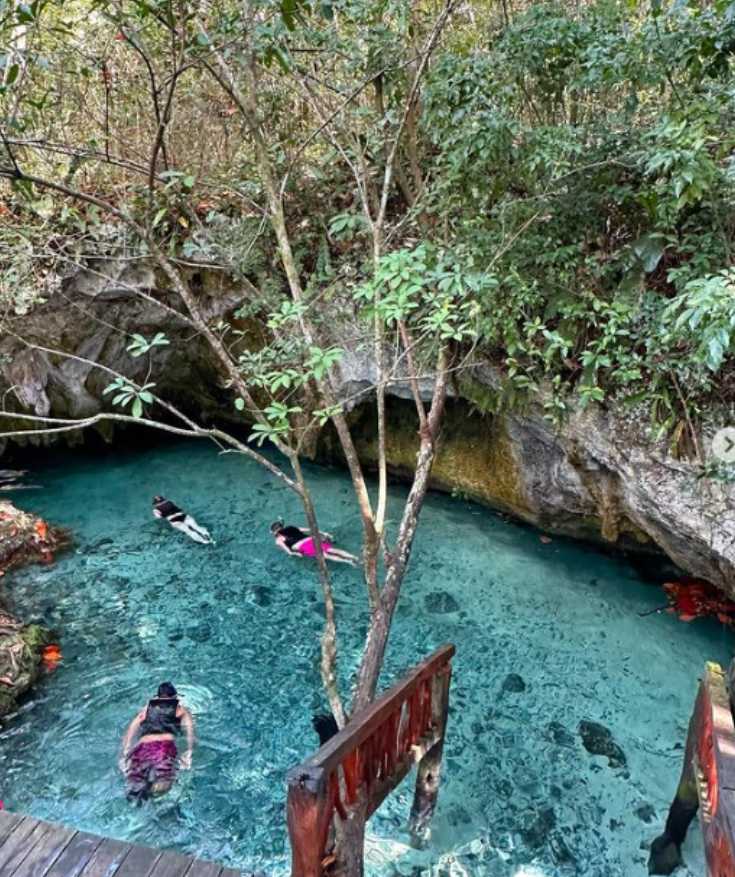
<point>349,844</point>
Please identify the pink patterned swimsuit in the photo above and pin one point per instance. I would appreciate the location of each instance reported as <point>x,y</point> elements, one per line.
<point>308,549</point>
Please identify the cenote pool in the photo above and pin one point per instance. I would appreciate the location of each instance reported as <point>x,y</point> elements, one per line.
<point>236,628</point>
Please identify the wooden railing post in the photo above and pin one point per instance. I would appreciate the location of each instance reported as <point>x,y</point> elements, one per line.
<point>309,813</point>
<point>707,784</point>
<point>356,769</point>
<point>429,769</point>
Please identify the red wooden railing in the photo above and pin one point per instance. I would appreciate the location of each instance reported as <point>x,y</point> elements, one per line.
<point>714,768</point>
<point>707,783</point>
<point>355,770</point>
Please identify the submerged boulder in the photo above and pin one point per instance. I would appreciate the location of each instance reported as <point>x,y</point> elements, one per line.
<point>514,683</point>
<point>598,740</point>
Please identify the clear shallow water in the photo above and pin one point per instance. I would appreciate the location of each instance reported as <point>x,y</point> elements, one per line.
<point>236,628</point>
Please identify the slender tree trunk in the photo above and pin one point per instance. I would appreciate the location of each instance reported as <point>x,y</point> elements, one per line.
<point>377,636</point>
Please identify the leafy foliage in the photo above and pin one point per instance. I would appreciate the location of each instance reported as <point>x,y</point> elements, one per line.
<point>563,186</point>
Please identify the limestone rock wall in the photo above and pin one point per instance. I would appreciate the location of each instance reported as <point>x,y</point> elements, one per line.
<point>594,478</point>
<point>587,480</point>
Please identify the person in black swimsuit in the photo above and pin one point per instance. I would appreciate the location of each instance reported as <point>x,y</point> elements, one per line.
<point>149,753</point>
<point>179,520</point>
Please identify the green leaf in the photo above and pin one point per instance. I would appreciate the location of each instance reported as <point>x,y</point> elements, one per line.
<point>240,404</point>
<point>12,74</point>
<point>137,408</point>
<point>715,354</point>
<point>159,216</point>
<point>282,59</point>
<point>188,182</point>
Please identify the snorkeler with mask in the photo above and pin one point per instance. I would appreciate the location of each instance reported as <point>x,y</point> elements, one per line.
<point>149,753</point>
<point>298,542</point>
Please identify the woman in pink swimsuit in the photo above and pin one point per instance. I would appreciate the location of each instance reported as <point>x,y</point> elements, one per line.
<point>298,541</point>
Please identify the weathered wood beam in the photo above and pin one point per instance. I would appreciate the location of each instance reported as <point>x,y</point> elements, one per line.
<point>362,726</point>
<point>429,770</point>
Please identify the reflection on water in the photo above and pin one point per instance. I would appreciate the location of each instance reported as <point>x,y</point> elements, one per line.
<point>547,635</point>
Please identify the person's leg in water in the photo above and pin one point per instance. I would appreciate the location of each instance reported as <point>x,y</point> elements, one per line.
<point>190,527</point>
<point>339,556</point>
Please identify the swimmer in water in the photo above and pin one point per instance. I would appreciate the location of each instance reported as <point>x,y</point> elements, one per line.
<point>298,542</point>
<point>149,753</point>
<point>179,520</point>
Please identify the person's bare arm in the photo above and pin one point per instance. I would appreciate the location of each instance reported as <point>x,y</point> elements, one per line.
<point>187,723</point>
<point>284,547</point>
<point>129,737</point>
<point>307,532</point>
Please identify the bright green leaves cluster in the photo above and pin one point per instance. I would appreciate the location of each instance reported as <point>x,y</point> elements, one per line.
<point>586,156</point>
<point>703,318</point>
<point>429,289</point>
<point>277,423</point>
<point>280,370</point>
<point>127,393</point>
<point>141,345</point>
<point>680,158</point>
<point>346,226</point>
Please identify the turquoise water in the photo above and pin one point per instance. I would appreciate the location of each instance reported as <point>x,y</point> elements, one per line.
<point>236,628</point>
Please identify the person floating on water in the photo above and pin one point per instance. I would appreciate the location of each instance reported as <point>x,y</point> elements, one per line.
<point>149,752</point>
<point>298,542</point>
<point>179,520</point>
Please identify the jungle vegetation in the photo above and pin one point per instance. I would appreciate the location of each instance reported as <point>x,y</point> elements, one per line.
<point>545,186</point>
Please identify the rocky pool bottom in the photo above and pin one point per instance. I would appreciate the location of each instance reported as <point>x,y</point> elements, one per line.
<point>568,710</point>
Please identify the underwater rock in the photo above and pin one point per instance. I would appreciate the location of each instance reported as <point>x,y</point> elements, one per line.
<point>645,813</point>
<point>560,849</point>
<point>440,603</point>
<point>514,683</point>
<point>598,740</point>
<point>200,633</point>
<point>538,825</point>
<point>261,595</point>
<point>558,734</point>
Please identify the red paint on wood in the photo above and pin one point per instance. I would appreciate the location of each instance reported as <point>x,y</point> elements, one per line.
<point>362,763</point>
<point>706,753</point>
<point>720,858</point>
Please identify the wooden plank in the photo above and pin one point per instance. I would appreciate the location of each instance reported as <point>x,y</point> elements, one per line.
<point>204,869</point>
<point>20,843</point>
<point>75,856</point>
<point>8,823</point>
<point>722,725</point>
<point>361,726</point>
<point>106,859</point>
<point>172,865</point>
<point>139,862</point>
<point>45,852</point>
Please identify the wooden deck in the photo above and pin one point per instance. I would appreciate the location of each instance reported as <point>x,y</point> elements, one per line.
<point>31,848</point>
